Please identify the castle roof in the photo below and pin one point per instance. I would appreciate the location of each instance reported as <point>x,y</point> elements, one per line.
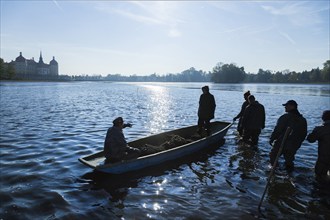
<point>53,62</point>
<point>31,62</point>
<point>41,61</point>
<point>20,58</point>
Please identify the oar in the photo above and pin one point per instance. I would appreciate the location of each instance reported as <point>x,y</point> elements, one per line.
<point>287,132</point>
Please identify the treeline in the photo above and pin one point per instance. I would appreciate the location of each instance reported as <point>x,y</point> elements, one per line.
<point>221,73</point>
<point>230,73</point>
<point>189,75</point>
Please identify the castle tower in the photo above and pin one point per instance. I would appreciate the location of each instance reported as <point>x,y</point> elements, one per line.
<point>20,64</point>
<point>40,59</point>
<point>42,68</point>
<point>53,66</point>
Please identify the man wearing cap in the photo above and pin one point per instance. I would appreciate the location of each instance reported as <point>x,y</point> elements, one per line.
<point>253,121</point>
<point>298,124</point>
<point>115,145</point>
<point>205,110</point>
<point>322,135</point>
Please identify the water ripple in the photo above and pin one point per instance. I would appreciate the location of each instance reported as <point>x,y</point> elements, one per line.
<point>46,127</point>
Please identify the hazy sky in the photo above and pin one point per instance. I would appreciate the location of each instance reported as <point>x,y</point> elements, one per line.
<point>146,37</point>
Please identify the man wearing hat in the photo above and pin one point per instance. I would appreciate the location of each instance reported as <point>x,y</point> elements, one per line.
<point>115,145</point>
<point>322,135</point>
<point>298,124</point>
<point>205,110</point>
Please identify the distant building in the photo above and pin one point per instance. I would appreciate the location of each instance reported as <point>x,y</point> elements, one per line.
<point>26,67</point>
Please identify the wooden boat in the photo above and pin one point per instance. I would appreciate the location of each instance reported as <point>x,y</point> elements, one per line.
<point>218,131</point>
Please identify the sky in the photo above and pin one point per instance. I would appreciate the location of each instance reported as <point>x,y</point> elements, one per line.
<point>162,37</point>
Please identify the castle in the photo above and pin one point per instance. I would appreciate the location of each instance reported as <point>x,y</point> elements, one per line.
<point>30,67</point>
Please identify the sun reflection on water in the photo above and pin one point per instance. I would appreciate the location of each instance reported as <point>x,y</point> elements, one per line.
<point>156,206</point>
<point>159,107</point>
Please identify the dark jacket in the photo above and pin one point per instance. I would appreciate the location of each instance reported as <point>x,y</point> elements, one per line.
<point>240,116</point>
<point>244,105</point>
<point>254,116</point>
<point>115,144</point>
<point>297,123</point>
<point>322,135</point>
<point>206,106</point>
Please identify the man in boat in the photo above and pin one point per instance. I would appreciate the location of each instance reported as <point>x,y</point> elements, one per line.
<point>253,120</point>
<point>293,119</point>
<point>205,111</point>
<point>115,145</point>
<point>322,135</point>
<point>240,114</point>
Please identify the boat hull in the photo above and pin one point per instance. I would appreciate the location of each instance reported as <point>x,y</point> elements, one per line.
<point>219,130</point>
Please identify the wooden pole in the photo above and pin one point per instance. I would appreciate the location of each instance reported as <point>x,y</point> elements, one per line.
<point>287,132</point>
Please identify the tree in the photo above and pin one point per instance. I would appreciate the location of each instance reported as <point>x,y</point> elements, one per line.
<point>293,77</point>
<point>228,73</point>
<point>2,68</point>
<point>11,71</point>
<point>264,76</point>
<point>325,73</point>
<point>315,75</point>
<point>278,77</point>
<point>192,75</point>
<point>7,70</point>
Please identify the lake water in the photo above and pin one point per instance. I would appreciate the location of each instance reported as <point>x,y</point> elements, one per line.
<point>47,126</point>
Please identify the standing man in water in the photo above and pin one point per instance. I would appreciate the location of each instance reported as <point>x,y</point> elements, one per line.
<point>253,121</point>
<point>240,114</point>
<point>322,135</point>
<point>298,124</point>
<point>115,145</point>
<point>206,111</point>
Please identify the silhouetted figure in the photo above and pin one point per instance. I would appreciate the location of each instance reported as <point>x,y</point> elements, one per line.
<point>298,124</point>
<point>240,114</point>
<point>205,110</point>
<point>253,121</point>
<point>115,145</point>
<point>322,135</point>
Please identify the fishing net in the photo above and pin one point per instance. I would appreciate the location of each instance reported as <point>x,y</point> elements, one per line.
<point>172,142</point>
